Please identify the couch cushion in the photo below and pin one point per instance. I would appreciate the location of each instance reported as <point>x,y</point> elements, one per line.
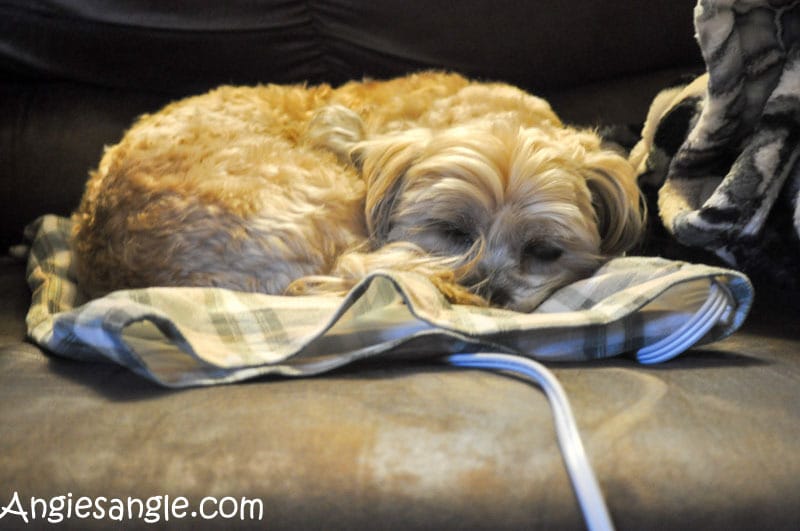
<point>706,441</point>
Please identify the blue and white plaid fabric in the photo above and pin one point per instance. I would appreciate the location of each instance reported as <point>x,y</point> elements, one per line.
<point>183,337</point>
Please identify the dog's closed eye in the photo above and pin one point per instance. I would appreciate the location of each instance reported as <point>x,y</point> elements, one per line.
<point>455,234</point>
<point>541,251</point>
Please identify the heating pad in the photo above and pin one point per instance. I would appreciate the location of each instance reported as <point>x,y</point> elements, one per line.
<point>181,337</point>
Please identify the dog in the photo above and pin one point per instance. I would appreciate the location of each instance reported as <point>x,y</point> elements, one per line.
<point>306,189</point>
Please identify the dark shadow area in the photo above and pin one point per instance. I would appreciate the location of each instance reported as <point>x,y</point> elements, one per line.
<point>113,382</point>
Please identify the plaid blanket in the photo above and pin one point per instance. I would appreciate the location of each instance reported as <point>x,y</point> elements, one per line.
<point>182,337</point>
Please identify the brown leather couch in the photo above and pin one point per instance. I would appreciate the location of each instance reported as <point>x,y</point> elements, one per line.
<point>706,441</point>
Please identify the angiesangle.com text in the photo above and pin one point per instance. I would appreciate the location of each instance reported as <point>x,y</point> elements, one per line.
<point>151,510</point>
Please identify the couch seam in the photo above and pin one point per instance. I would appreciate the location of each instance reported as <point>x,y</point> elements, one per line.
<point>320,41</point>
<point>71,18</point>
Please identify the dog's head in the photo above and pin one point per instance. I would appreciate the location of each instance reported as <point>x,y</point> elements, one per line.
<point>523,210</point>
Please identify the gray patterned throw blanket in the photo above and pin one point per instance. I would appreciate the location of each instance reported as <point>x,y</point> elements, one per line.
<point>718,159</point>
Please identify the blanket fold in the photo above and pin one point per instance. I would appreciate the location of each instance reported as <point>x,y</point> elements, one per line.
<point>719,156</point>
<point>182,337</point>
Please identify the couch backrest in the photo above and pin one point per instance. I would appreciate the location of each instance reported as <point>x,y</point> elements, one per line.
<point>73,73</point>
<point>178,46</point>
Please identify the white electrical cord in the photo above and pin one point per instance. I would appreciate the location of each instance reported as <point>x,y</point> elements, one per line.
<point>587,490</point>
<point>584,483</point>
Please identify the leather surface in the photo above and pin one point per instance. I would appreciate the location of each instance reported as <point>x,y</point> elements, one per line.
<point>707,441</point>
<point>181,47</point>
<point>51,135</point>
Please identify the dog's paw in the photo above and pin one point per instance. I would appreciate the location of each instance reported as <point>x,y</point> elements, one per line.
<point>336,128</point>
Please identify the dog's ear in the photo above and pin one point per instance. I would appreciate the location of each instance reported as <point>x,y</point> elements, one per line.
<point>383,163</point>
<point>616,200</point>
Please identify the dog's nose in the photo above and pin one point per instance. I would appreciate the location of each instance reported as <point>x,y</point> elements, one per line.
<point>491,281</point>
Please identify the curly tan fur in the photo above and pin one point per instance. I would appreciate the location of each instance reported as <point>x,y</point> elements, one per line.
<point>298,189</point>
